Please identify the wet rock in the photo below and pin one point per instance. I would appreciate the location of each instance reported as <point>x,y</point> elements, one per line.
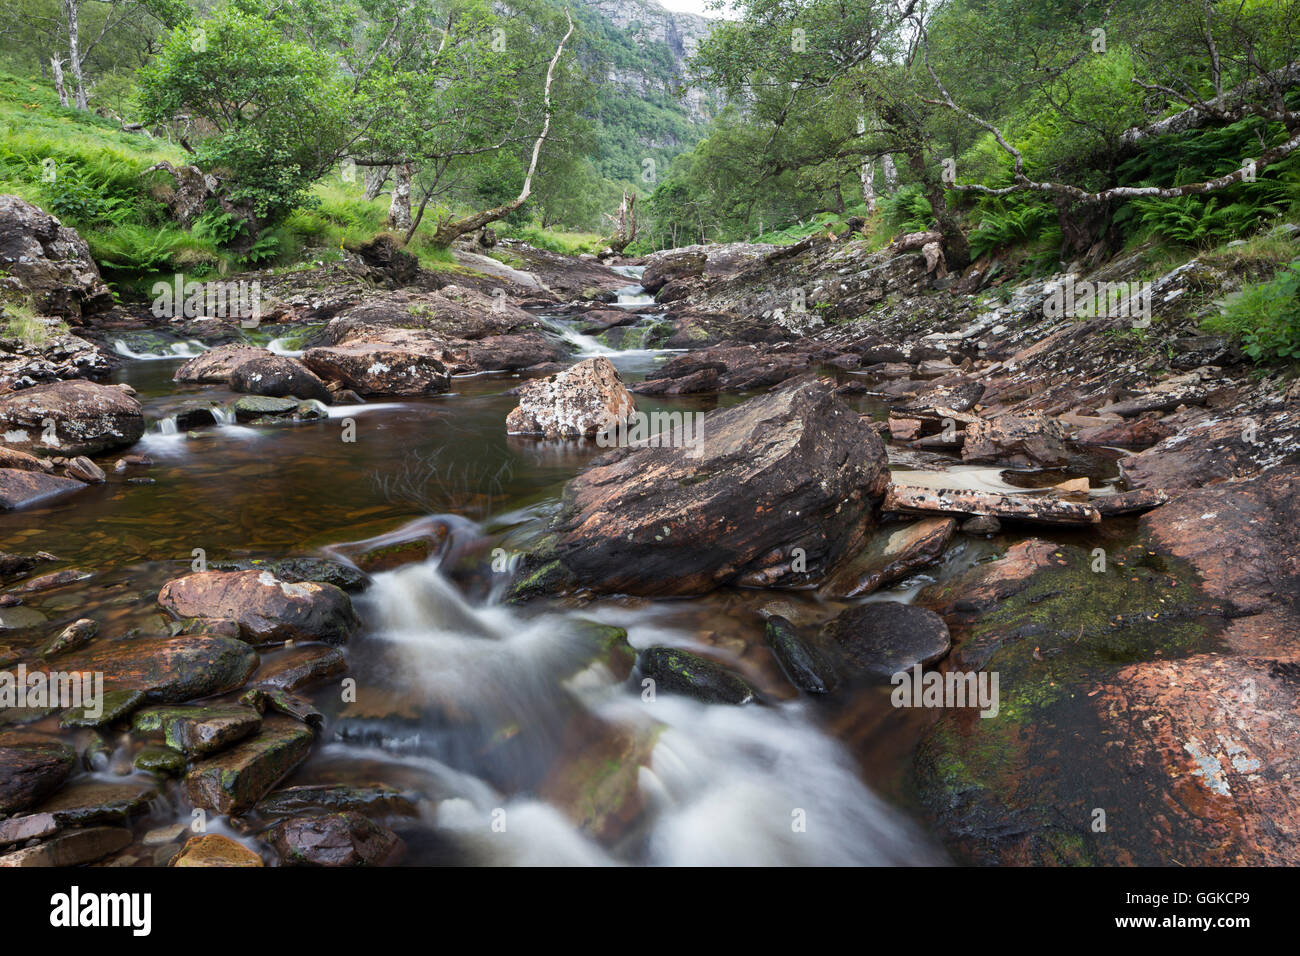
<point>580,401</point>
<point>803,661</point>
<point>77,634</point>
<point>22,489</point>
<point>31,826</point>
<point>163,761</point>
<point>31,767</point>
<point>70,418</point>
<point>195,416</point>
<point>891,553</point>
<point>71,849</point>
<point>1240,538</point>
<point>83,469</point>
<point>198,730</point>
<point>213,849</point>
<point>1142,433</point>
<point>390,551</point>
<point>215,366</point>
<point>1030,508</point>
<point>1129,502</point>
<point>726,367</point>
<point>780,487</point>
<point>16,565</point>
<point>298,570</point>
<point>282,702</point>
<point>382,368</point>
<point>88,801</point>
<point>301,666</point>
<point>374,800</point>
<point>335,839</point>
<point>666,268</point>
<point>1034,440</point>
<point>167,670</point>
<point>20,460</point>
<point>981,524</point>
<point>49,262</point>
<point>267,609</point>
<point>278,376</point>
<point>55,579</point>
<point>115,705</point>
<point>255,408</point>
<point>597,781</point>
<point>680,672</point>
<point>236,779</point>
<point>877,640</point>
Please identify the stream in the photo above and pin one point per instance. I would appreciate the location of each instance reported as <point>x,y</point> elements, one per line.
<point>495,715</point>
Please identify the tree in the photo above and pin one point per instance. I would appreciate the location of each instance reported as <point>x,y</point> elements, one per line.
<point>273,114</point>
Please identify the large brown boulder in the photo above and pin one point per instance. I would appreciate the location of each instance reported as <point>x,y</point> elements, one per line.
<point>49,262</point>
<point>780,487</point>
<point>70,418</point>
<point>168,670</point>
<point>381,367</point>
<point>278,376</point>
<point>334,839</point>
<point>216,365</point>
<point>20,488</point>
<point>266,609</point>
<point>1030,440</point>
<point>580,401</point>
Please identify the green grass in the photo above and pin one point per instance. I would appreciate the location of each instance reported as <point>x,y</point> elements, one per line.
<point>19,321</point>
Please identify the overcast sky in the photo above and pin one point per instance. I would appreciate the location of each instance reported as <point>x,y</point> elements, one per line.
<point>690,6</point>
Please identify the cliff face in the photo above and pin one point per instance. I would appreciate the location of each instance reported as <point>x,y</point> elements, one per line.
<point>638,50</point>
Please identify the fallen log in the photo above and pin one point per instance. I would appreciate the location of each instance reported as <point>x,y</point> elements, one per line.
<point>1038,509</point>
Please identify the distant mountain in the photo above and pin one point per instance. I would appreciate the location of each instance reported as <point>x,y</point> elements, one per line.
<point>642,110</point>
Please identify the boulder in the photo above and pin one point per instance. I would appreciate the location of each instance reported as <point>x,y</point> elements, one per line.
<point>71,849</point>
<point>213,849</point>
<point>335,839</point>
<point>803,661</point>
<point>380,368</point>
<point>84,470</point>
<point>891,553</point>
<point>70,418</point>
<point>278,376</point>
<point>665,269</point>
<point>300,666</point>
<point>31,767</point>
<point>49,262</point>
<point>781,486</point>
<point>216,365</point>
<point>874,641</point>
<point>198,730</point>
<point>266,609</point>
<point>578,402</point>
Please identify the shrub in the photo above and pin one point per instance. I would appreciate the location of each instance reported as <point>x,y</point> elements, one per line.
<point>1265,317</point>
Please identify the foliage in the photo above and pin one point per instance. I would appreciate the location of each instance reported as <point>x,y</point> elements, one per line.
<point>1265,317</point>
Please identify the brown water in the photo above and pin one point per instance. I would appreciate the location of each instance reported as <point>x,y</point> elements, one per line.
<point>486,711</point>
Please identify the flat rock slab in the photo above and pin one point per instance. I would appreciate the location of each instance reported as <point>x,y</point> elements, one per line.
<point>31,826</point>
<point>376,800</point>
<point>21,489</point>
<point>301,665</point>
<point>87,801</point>
<point>267,609</point>
<point>215,365</point>
<point>72,848</point>
<point>874,641</point>
<point>198,730</point>
<point>236,779</point>
<point>891,553</point>
<point>1037,509</point>
<point>168,670</point>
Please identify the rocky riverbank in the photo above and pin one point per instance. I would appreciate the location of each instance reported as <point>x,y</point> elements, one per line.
<point>868,426</point>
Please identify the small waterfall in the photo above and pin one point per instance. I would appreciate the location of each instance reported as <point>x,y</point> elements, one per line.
<point>585,344</point>
<point>632,296</point>
<point>167,426</point>
<point>279,347</point>
<point>719,785</point>
<point>177,350</point>
<point>224,414</point>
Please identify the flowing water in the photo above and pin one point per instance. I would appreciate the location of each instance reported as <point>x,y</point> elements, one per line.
<point>499,717</point>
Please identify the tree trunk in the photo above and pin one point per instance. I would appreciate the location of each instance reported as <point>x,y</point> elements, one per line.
<point>399,210</point>
<point>867,174</point>
<point>376,177</point>
<point>625,224</point>
<point>450,230</point>
<point>890,172</point>
<point>956,248</point>
<point>56,68</point>
<point>71,11</point>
